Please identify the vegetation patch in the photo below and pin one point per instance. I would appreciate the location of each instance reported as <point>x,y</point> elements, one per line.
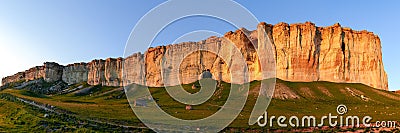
<point>109,105</point>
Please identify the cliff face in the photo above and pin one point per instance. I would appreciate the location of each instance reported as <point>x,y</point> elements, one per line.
<point>105,72</point>
<point>75,73</point>
<point>113,72</point>
<point>302,52</point>
<point>20,76</point>
<point>309,53</point>
<point>305,52</point>
<point>50,72</point>
<point>134,69</point>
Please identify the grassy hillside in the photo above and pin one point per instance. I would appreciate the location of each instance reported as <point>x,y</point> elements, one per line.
<point>96,105</point>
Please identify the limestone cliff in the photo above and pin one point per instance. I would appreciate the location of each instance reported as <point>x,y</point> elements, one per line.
<point>302,52</point>
<point>309,53</point>
<point>105,72</point>
<point>50,72</point>
<point>113,72</point>
<point>75,73</point>
<point>136,73</point>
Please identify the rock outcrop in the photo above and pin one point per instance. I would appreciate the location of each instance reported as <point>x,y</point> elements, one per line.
<point>105,72</point>
<point>75,73</point>
<point>50,72</point>
<point>302,52</point>
<point>309,53</point>
<point>96,72</point>
<point>136,74</point>
<point>113,72</point>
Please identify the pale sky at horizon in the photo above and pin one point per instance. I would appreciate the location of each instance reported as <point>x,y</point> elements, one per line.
<point>69,31</point>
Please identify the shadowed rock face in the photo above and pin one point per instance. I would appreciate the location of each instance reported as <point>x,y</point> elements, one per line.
<point>105,72</point>
<point>303,52</point>
<point>50,72</point>
<point>75,73</point>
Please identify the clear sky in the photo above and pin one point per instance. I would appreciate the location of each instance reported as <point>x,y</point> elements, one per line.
<point>69,31</point>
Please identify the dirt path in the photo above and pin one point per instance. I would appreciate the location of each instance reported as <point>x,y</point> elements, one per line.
<point>110,91</point>
<point>52,110</point>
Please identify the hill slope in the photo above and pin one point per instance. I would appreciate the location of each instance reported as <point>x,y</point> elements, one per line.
<point>100,105</point>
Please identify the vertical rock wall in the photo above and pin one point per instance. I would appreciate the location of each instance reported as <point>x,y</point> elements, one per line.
<point>52,72</point>
<point>113,72</point>
<point>302,52</point>
<point>75,73</point>
<point>134,69</point>
<point>309,53</point>
<point>96,72</point>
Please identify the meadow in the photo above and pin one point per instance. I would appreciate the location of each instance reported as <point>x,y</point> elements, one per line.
<point>101,108</point>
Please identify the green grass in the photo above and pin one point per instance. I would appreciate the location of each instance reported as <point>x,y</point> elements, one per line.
<point>13,116</point>
<point>109,104</point>
<point>32,94</point>
<point>20,117</point>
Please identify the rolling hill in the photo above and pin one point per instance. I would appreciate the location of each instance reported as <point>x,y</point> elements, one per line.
<point>82,107</point>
